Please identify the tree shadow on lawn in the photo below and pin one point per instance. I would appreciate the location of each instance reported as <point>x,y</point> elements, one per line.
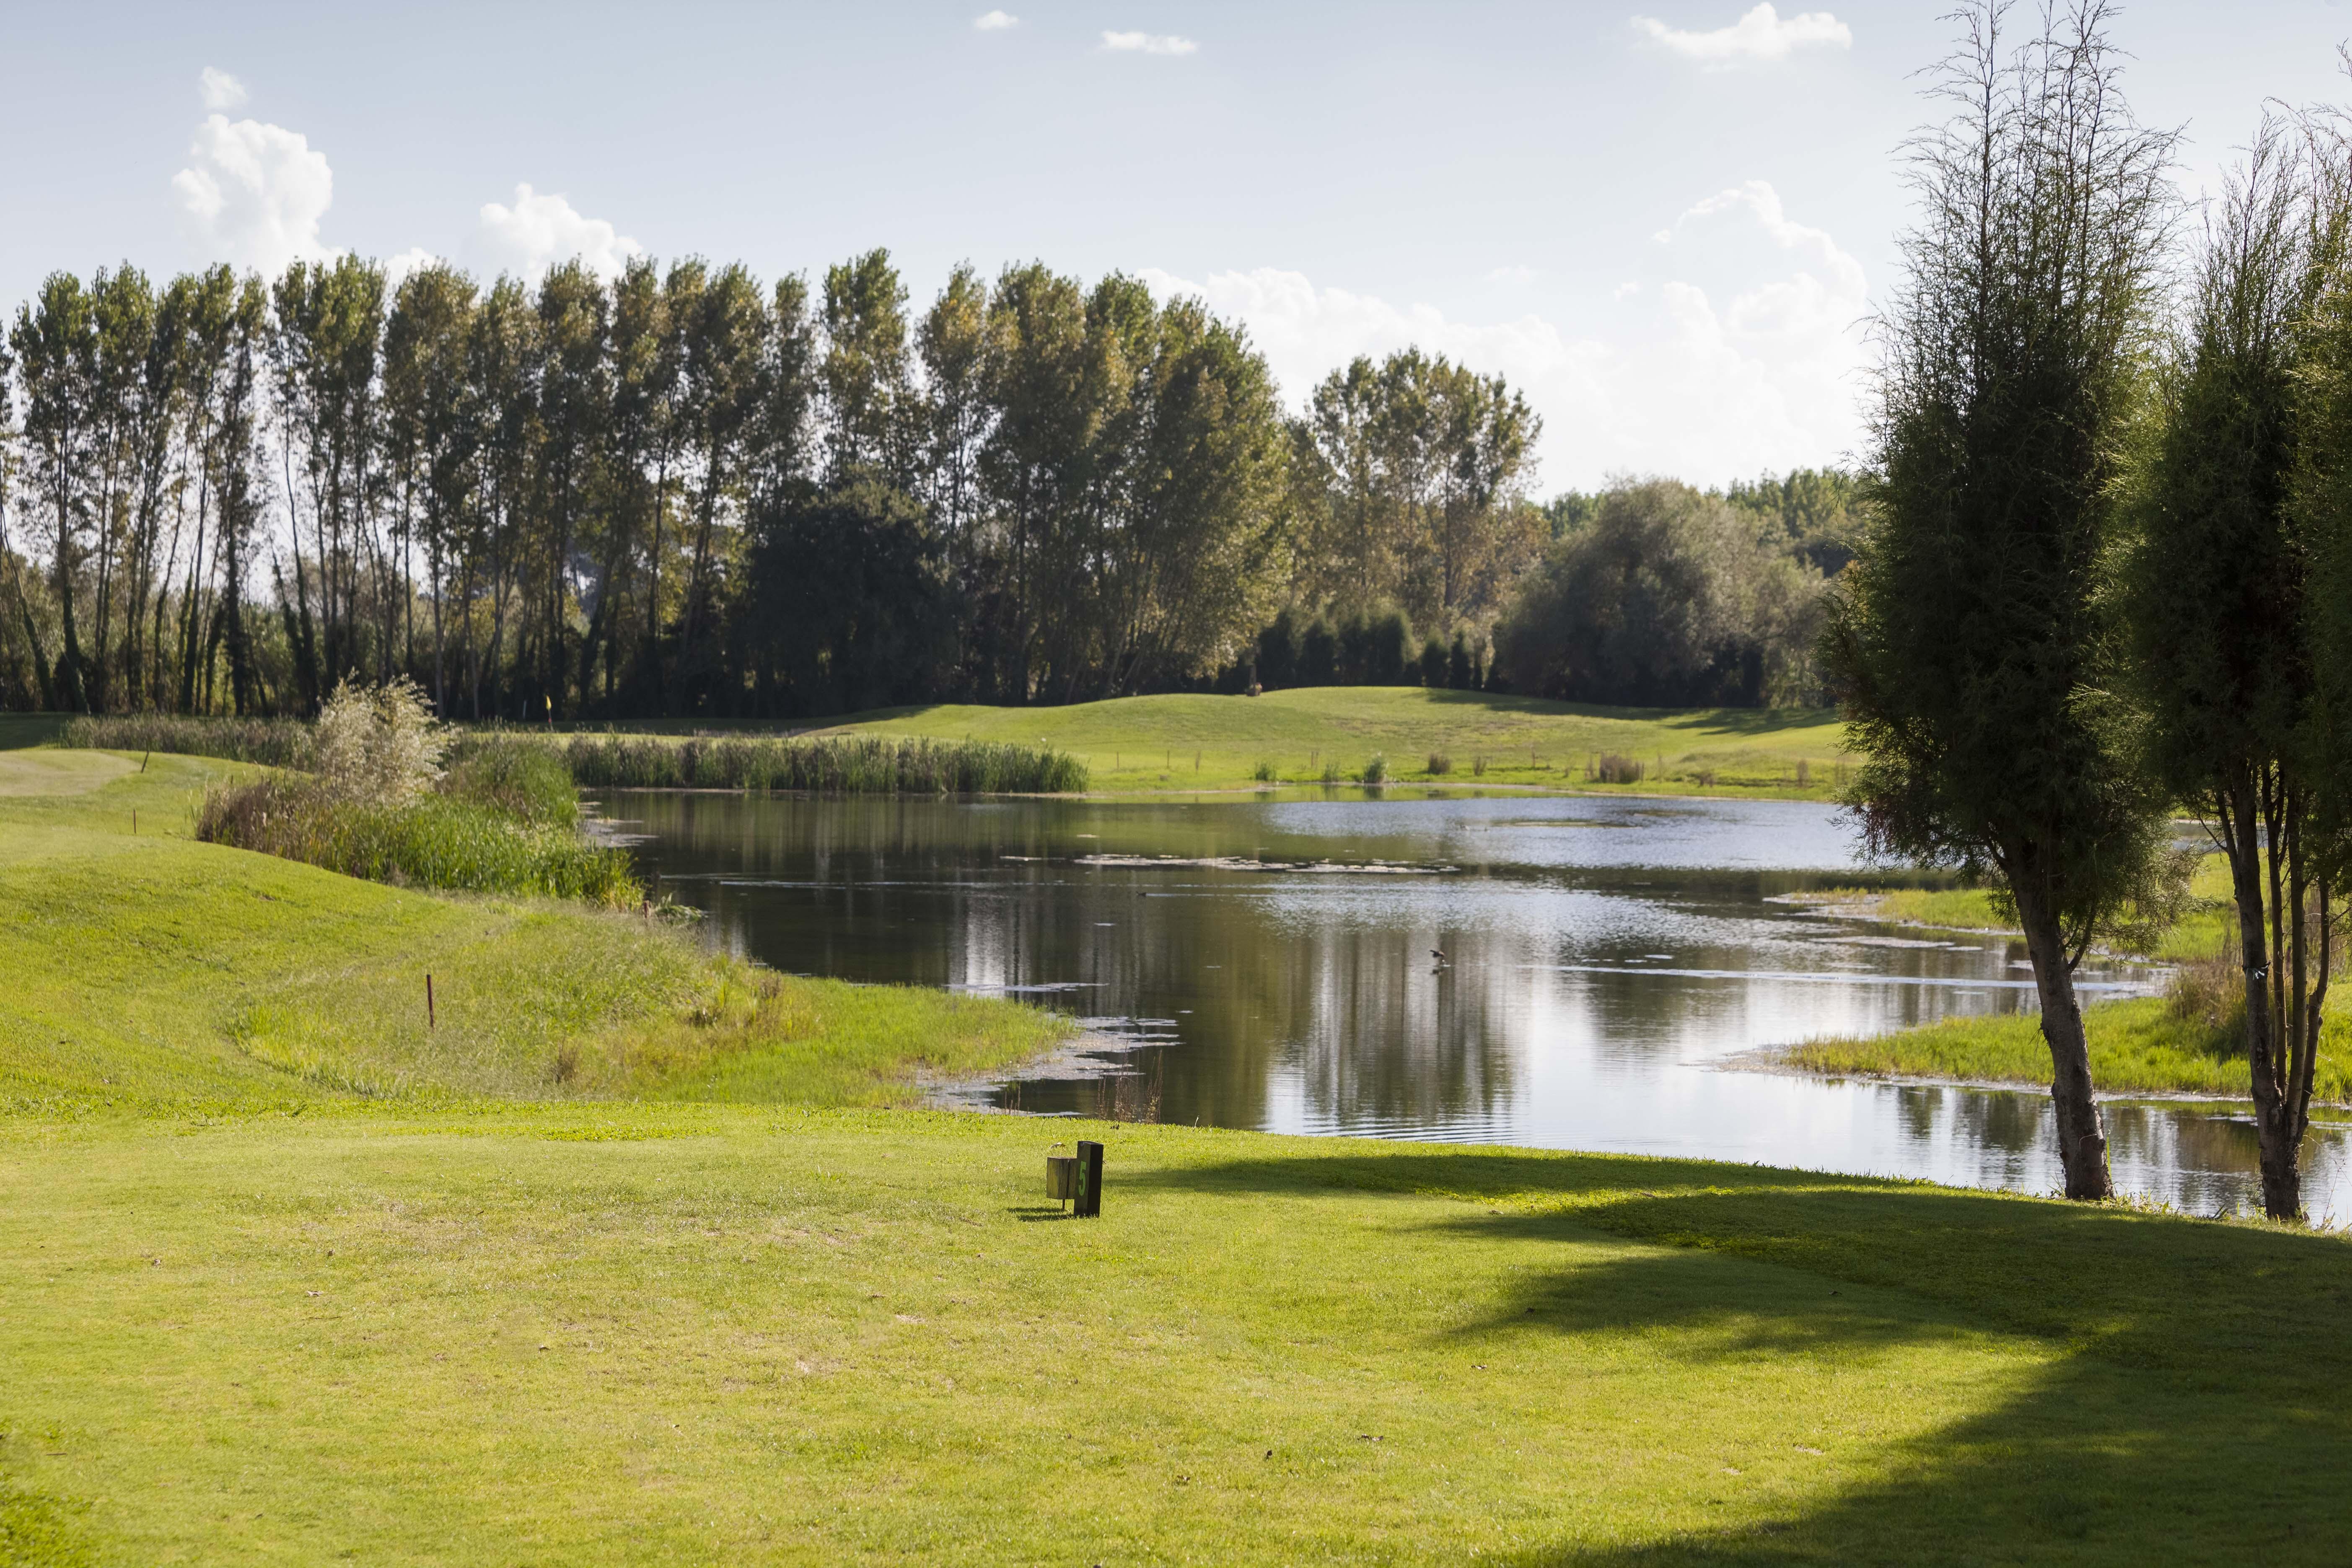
<point>2197,1412</point>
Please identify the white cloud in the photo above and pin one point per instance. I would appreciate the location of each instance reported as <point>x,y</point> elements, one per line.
<point>1512,275</point>
<point>254,194</point>
<point>220,91</point>
<point>995,21</point>
<point>1759,36</point>
<point>1755,367</point>
<point>416,259</point>
<point>538,231</point>
<point>1147,44</point>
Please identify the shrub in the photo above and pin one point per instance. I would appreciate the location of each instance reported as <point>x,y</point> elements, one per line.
<point>1377,770</point>
<point>377,745</point>
<point>1264,773</point>
<point>1478,767</point>
<point>1611,768</point>
<point>1440,763</point>
<point>2211,993</point>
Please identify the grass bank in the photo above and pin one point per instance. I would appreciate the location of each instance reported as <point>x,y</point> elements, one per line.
<point>2143,1046</point>
<point>2188,1042</point>
<point>1187,741</point>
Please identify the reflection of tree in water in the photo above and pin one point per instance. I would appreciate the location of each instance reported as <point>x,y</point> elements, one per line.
<point>1378,1041</point>
<point>1310,1001</point>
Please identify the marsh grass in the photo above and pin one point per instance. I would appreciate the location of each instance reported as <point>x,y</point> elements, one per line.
<point>435,841</point>
<point>1613,769</point>
<point>855,765</point>
<point>522,779</point>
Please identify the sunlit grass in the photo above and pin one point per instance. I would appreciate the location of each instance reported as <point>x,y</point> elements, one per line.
<point>628,1333</point>
<point>2140,1046</point>
<point>1198,741</point>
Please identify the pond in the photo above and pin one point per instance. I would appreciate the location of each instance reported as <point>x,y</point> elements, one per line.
<point>1573,972</point>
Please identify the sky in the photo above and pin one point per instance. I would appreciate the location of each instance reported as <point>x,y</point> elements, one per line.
<point>1666,221</point>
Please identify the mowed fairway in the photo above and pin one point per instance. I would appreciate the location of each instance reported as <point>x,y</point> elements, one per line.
<point>1198,741</point>
<point>288,1275</point>
<point>745,1336</point>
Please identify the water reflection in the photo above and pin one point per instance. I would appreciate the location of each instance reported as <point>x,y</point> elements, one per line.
<point>1567,973</point>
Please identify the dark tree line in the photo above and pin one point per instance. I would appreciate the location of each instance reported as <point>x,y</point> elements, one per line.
<point>683,492</point>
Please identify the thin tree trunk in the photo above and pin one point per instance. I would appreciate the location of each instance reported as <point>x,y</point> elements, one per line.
<point>2081,1139</point>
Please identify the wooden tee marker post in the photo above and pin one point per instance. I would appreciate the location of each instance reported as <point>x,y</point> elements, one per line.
<point>1077,1178</point>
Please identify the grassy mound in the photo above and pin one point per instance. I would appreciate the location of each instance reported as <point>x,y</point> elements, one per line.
<point>153,972</point>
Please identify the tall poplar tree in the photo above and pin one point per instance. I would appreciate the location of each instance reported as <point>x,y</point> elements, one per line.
<point>2219,601</point>
<point>1976,645</point>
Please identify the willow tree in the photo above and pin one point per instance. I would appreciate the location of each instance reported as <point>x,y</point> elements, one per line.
<point>1976,642</point>
<point>2219,599</point>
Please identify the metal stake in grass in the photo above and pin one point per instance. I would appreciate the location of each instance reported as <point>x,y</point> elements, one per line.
<point>429,1023</point>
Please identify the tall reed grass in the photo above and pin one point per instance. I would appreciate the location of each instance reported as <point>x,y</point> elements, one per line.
<point>438,840</point>
<point>277,742</point>
<point>830,764</point>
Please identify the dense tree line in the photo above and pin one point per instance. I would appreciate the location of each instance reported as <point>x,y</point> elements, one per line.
<point>684,491</point>
<point>1661,595</point>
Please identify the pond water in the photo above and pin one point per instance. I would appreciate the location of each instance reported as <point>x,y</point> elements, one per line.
<point>1607,964</point>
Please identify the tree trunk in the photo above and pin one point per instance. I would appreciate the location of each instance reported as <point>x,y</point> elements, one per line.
<point>2082,1140</point>
<point>2281,1181</point>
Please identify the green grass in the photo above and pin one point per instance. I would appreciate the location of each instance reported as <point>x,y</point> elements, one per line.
<point>289,1278</point>
<point>720,1335</point>
<point>2137,1047</point>
<point>1184,742</point>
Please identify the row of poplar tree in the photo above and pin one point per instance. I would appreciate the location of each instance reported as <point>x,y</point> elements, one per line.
<point>2106,570</point>
<point>681,492</point>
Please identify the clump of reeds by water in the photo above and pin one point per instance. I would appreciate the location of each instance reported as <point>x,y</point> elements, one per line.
<point>437,840</point>
<point>826,765</point>
<point>523,779</point>
<point>1611,768</point>
<point>277,742</point>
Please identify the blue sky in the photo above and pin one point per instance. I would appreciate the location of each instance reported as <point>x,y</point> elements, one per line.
<point>1665,218</point>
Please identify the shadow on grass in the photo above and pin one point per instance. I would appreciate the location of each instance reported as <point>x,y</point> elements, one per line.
<point>18,731</point>
<point>2194,1410</point>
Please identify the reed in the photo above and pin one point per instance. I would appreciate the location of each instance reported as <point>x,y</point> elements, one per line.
<point>829,764</point>
<point>435,841</point>
<point>274,742</point>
